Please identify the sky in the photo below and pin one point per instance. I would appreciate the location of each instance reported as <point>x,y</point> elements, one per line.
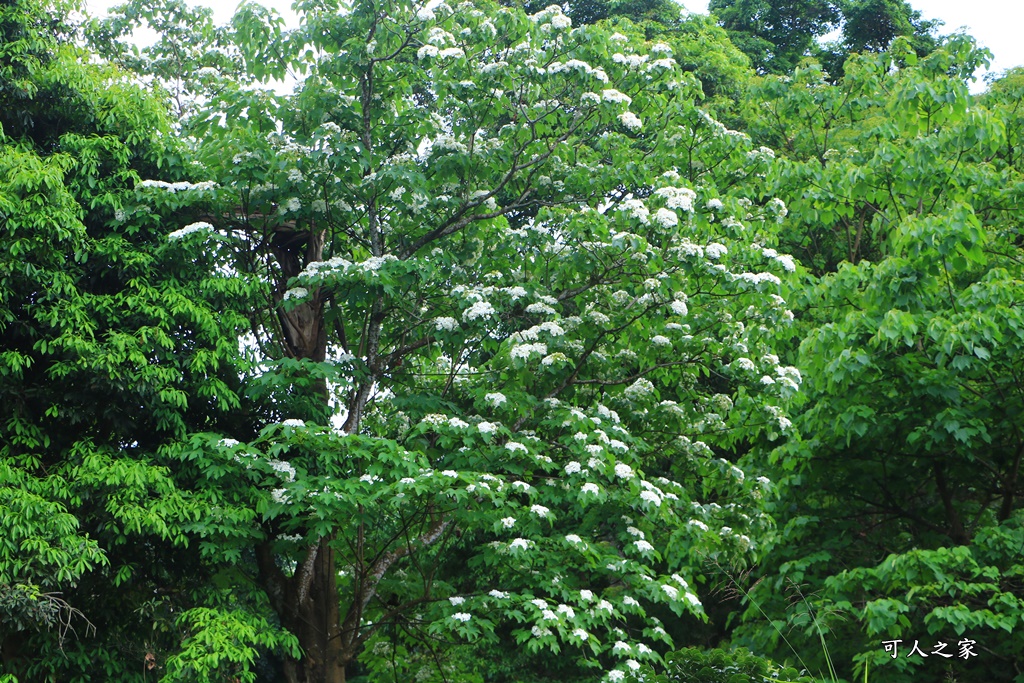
<point>995,24</point>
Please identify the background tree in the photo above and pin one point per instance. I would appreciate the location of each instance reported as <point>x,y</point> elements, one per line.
<point>902,510</point>
<point>776,34</point>
<point>112,347</point>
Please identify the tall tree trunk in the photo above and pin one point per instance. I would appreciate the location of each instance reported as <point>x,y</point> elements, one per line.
<point>307,602</point>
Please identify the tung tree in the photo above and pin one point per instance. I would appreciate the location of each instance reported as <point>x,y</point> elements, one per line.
<point>520,296</point>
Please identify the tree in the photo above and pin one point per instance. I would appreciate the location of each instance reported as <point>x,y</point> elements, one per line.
<point>902,512</point>
<point>776,34</point>
<point>113,346</point>
<point>872,26</point>
<point>537,338</point>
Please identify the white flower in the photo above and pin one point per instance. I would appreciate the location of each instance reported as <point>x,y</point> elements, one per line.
<point>446,324</point>
<point>618,38</point>
<point>661,340</point>
<point>677,197</point>
<point>631,601</point>
<point>605,606</point>
<point>671,591</point>
<point>201,226</point>
<point>293,423</point>
<point>407,480</point>
<point>279,495</point>
<point>480,309</point>
<point>560,21</point>
<point>715,251</point>
<point>425,14</point>
<point>621,646</point>
<point>644,546</point>
<point>581,634</point>
<point>554,329</point>
<point>612,95</point>
<point>624,471</point>
<point>539,510</point>
<point>540,308</point>
<point>767,380</point>
<point>679,307</point>
<point>714,204</point>
<point>633,664</point>
<point>574,539</point>
<point>451,52</point>
<point>666,218</point>
<point>632,61</point>
<point>586,596</point>
<point>515,293</point>
<point>296,293</point>
<point>651,497</point>
<point>590,488</point>
<point>630,121</point>
<point>227,443</point>
<point>450,473</point>
<point>486,427</point>
<point>516,446</point>
<point>284,468</point>
<point>662,48</point>
<point>638,389</point>
<point>615,675</point>
<point>508,522</point>
<point>519,544</point>
<point>456,600</point>
<point>526,350</point>
<point>521,485</point>
<point>427,51</point>
<point>539,603</point>
<point>776,206</point>
<point>500,595</point>
<point>633,531</point>
<point>692,599</point>
<point>744,364</point>
<point>699,524</point>
<point>461,616</point>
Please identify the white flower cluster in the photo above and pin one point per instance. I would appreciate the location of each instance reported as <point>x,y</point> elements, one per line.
<point>677,197</point>
<point>480,309</point>
<point>631,61</point>
<point>636,209</point>
<point>715,251</point>
<point>495,398</point>
<point>526,350</point>
<point>189,229</point>
<point>666,218</point>
<point>785,260</point>
<point>578,65</point>
<point>616,97</point>
<point>283,468</point>
<point>296,293</point>
<point>176,187</point>
<point>630,121</point>
<point>641,388</point>
<point>446,324</point>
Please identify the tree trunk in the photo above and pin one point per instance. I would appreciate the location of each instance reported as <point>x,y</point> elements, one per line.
<point>307,602</point>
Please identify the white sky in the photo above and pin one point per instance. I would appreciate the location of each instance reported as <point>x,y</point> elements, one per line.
<point>995,24</point>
